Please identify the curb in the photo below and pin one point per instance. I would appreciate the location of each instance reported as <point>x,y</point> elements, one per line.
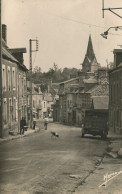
<point>19,136</point>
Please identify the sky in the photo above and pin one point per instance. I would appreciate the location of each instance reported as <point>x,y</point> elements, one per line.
<point>62,28</point>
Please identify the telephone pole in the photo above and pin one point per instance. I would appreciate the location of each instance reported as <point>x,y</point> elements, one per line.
<point>31,88</point>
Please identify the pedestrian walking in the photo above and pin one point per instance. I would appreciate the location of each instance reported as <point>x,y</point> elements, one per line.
<point>22,125</point>
<point>45,123</point>
<point>34,123</point>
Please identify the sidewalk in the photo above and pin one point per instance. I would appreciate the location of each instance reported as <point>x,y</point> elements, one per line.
<point>107,174</point>
<point>115,142</point>
<point>18,136</point>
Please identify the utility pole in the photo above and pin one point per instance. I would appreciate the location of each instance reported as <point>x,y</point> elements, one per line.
<point>31,104</point>
<point>111,10</point>
<point>1,93</point>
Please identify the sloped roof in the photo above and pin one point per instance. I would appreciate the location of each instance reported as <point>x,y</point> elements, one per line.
<point>100,102</point>
<point>53,91</point>
<point>18,50</point>
<point>90,80</point>
<point>120,64</point>
<point>69,80</point>
<point>99,90</point>
<point>7,54</point>
<point>48,97</point>
<point>90,56</point>
<point>90,51</point>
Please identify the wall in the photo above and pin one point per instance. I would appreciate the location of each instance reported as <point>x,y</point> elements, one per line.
<point>10,101</point>
<point>115,100</point>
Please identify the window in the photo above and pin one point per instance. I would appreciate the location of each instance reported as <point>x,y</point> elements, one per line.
<point>4,77</point>
<point>33,104</point>
<point>4,111</point>
<point>68,103</point>
<point>22,87</point>
<point>13,78</point>
<point>24,84</point>
<point>14,109</point>
<point>9,79</point>
<point>10,115</point>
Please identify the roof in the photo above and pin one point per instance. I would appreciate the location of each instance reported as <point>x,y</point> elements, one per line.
<point>7,54</point>
<point>100,89</point>
<point>18,50</point>
<point>90,80</point>
<point>117,51</point>
<point>100,102</point>
<point>48,97</point>
<point>90,52</point>
<point>69,80</point>
<point>120,65</point>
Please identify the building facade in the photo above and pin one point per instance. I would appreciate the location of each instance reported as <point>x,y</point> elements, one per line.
<point>115,97</point>
<point>75,95</point>
<point>11,68</point>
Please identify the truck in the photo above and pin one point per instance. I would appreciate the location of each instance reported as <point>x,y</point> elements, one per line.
<point>95,123</point>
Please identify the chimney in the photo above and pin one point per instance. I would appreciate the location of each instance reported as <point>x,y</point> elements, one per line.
<point>4,32</point>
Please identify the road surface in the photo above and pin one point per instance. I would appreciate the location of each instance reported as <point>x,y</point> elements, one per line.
<point>41,164</point>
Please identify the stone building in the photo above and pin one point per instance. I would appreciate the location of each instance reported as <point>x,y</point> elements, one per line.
<point>75,95</point>
<point>115,90</point>
<point>37,100</point>
<point>12,85</point>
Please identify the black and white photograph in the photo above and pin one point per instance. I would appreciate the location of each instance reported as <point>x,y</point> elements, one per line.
<point>60,97</point>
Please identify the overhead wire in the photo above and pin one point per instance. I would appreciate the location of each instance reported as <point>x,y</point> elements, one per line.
<point>84,23</point>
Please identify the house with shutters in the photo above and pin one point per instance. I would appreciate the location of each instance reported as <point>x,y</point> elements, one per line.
<point>14,101</point>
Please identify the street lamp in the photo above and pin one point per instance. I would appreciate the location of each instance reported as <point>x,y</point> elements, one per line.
<point>104,34</point>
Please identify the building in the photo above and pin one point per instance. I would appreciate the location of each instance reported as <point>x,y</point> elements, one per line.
<point>115,90</point>
<point>22,83</point>
<point>37,102</point>
<point>65,90</point>
<point>12,85</point>
<point>75,95</point>
<point>90,63</point>
<point>55,113</point>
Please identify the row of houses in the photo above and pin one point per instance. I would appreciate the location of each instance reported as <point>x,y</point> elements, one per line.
<point>13,86</point>
<point>90,86</point>
<point>16,91</point>
<point>93,87</point>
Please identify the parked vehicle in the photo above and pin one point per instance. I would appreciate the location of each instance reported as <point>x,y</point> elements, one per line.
<point>96,123</point>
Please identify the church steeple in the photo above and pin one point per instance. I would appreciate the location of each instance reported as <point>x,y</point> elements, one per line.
<point>89,57</point>
<point>90,52</point>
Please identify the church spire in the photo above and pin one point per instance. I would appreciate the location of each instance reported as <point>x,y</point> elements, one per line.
<point>90,52</point>
<point>89,57</point>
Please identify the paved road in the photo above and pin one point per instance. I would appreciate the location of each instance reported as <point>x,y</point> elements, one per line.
<point>41,164</point>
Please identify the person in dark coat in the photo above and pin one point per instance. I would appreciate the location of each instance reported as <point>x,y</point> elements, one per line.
<point>34,123</point>
<point>45,123</point>
<point>22,125</point>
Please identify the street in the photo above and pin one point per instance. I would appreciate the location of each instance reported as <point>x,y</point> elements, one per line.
<point>43,164</point>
